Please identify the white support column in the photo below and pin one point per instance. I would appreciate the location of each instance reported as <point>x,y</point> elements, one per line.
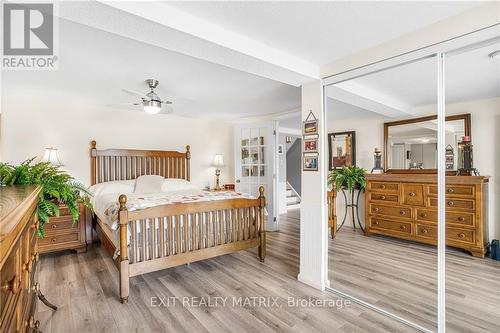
<point>313,212</point>
<point>441,114</point>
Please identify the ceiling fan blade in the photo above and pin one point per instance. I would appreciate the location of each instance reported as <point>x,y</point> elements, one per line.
<point>166,109</point>
<point>167,102</point>
<point>123,104</point>
<point>136,94</point>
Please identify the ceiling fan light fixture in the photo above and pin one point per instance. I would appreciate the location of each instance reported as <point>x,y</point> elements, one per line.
<point>152,107</point>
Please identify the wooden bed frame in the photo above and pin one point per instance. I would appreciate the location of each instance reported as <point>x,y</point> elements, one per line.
<point>189,231</point>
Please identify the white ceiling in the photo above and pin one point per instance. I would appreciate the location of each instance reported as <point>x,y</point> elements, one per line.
<point>323,31</point>
<point>95,65</point>
<point>223,60</point>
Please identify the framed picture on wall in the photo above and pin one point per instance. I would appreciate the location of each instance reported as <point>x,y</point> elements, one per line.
<point>310,127</point>
<point>310,162</point>
<point>310,143</point>
<point>342,149</point>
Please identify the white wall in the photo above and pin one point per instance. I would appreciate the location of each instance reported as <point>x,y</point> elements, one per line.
<point>485,116</point>
<point>30,124</point>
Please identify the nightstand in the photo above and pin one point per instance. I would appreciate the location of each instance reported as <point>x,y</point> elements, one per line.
<point>62,234</point>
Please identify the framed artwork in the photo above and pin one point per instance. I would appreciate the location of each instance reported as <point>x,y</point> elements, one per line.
<point>310,162</point>
<point>310,143</point>
<point>310,127</point>
<point>342,149</point>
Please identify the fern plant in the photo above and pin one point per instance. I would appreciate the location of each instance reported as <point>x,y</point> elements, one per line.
<point>349,176</point>
<point>58,187</point>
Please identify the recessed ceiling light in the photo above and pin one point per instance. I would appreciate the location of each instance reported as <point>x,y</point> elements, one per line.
<point>494,55</point>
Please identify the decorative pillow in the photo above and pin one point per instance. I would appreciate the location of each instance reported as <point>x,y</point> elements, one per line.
<point>118,187</point>
<point>148,184</point>
<point>176,184</point>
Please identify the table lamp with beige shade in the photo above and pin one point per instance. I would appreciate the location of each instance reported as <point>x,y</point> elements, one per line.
<point>218,163</point>
<point>51,155</point>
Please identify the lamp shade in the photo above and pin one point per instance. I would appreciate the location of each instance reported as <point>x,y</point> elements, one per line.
<point>51,155</point>
<point>218,160</point>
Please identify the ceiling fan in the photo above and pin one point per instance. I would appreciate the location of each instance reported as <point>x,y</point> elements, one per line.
<point>150,101</point>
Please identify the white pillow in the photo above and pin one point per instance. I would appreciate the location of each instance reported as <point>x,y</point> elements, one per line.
<point>176,184</point>
<point>118,187</point>
<point>148,184</point>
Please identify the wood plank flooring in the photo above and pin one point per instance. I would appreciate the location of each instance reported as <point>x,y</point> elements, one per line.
<point>85,288</point>
<point>401,277</point>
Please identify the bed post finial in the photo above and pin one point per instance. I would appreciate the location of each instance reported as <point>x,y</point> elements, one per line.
<point>93,162</point>
<point>93,144</point>
<point>188,152</point>
<point>123,202</point>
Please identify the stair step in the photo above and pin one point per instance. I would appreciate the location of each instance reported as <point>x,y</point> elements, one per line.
<point>292,200</point>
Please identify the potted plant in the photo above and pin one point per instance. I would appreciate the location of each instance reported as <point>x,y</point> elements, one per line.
<point>58,187</point>
<point>350,177</point>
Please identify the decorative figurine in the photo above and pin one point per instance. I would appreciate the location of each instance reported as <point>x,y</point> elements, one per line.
<point>377,161</point>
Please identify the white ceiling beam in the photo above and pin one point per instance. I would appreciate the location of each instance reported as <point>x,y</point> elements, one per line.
<point>369,99</point>
<point>163,26</point>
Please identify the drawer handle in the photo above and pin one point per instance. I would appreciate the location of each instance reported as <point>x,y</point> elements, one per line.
<point>423,215</point>
<point>53,240</point>
<point>402,212</point>
<point>12,285</point>
<point>382,187</point>
<point>53,226</point>
<point>461,218</point>
<point>411,194</point>
<point>461,235</point>
<point>450,190</point>
<point>375,222</point>
<point>450,203</point>
<point>424,231</point>
<point>402,227</point>
<point>382,197</point>
<point>33,324</point>
<point>376,209</point>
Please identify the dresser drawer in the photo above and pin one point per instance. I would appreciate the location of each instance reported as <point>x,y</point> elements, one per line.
<point>63,211</point>
<point>394,198</point>
<point>454,203</point>
<point>413,194</point>
<point>392,226</point>
<point>452,234</point>
<point>391,211</point>
<point>460,235</point>
<point>59,239</point>
<point>384,187</point>
<point>10,283</point>
<point>461,218</point>
<point>466,191</point>
<point>61,224</point>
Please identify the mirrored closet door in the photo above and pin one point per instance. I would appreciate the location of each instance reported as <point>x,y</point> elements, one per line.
<point>472,77</point>
<point>382,244</point>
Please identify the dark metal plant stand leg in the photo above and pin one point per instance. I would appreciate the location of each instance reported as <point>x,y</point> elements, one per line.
<point>354,206</point>
<point>42,298</point>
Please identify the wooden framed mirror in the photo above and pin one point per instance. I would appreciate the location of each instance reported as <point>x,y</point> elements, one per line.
<point>410,145</point>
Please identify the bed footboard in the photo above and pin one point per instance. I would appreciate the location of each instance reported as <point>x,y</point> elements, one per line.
<point>170,235</point>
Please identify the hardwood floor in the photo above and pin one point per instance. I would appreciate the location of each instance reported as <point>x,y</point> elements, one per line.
<point>401,277</point>
<point>85,288</point>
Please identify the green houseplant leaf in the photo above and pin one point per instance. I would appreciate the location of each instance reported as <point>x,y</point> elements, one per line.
<point>349,176</point>
<point>58,187</point>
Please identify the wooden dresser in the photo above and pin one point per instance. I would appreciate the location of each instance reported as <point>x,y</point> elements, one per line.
<point>62,234</point>
<point>405,206</point>
<point>18,258</point>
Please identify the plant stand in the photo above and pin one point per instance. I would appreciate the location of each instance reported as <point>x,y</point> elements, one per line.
<point>353,204</point>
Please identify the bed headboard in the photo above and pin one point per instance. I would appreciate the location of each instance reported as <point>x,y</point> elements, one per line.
<point>124,164</point>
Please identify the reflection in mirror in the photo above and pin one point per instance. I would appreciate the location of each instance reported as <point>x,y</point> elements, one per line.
<point>412,144</point>
<point>382,237</point>
<point>473,213</point>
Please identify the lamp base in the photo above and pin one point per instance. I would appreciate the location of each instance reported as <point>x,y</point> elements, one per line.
<point>217,184</point>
